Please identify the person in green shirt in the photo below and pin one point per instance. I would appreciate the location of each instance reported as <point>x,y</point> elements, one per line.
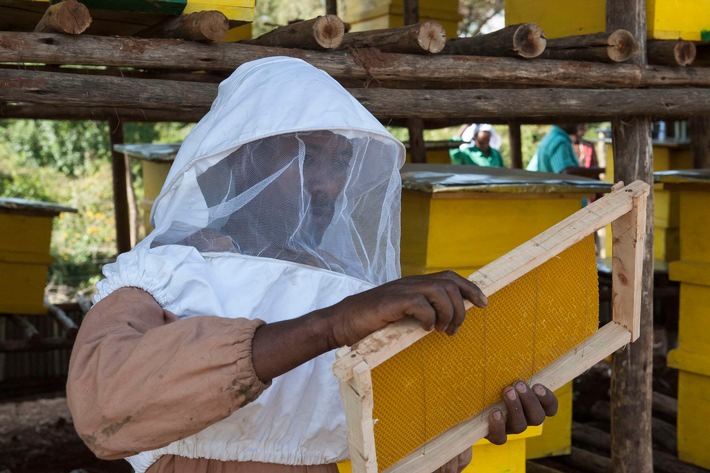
<point>479,151</point>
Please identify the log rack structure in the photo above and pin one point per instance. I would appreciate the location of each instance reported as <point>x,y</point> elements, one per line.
<point>409,76</point>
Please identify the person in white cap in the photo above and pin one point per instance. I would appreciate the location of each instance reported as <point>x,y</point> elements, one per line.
<point>210,344</point>
<point>480,147</point>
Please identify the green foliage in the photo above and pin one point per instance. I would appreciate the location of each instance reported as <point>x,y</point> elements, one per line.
<point>530,136</point>
<point>69,147</point>
<point>83,241</point>
<point>476,15</point>
<point>69,163</point>
<point>269,14</point>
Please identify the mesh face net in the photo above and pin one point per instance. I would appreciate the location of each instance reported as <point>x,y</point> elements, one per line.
<point>327,199</point>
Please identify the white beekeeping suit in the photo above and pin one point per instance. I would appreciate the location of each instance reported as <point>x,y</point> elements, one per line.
<point>285,198</point>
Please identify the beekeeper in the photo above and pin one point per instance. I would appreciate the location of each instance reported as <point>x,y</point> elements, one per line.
<point>210,344</point>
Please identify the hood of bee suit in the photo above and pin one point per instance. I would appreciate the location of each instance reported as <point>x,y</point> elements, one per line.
<point>268,109</point>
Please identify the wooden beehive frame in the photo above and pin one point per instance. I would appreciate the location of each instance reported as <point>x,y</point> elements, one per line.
<point>625,209</point>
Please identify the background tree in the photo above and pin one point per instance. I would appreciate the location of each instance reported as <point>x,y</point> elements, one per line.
<point>479,16</point>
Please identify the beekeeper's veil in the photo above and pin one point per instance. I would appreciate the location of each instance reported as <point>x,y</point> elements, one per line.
<point>287,165</point>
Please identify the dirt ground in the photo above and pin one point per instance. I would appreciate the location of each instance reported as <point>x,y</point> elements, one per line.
<point>37,436</point>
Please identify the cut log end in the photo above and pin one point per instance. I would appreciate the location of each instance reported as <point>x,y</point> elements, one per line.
<point>209,26</point>
<point>622,45</point>
<point>328,31</point>
<point>68,17</point>
<point>684,53</point>
<point>529,40</point>
<point>431,36</point>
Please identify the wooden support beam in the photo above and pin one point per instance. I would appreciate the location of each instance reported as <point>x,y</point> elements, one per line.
<point>700,141</point>
<point>120,190</point>
<point>671,53</point>
<point>68,17</point>
<point>43,344</point>
<point>84,303</point>
<point>525,40</point>
<point>516,145</point>
<point>81,90</point>
<point>67,324</point>
<point>31,334</point>
<point>452,71</point>
<point>664,434</point>
<point>60,112</point>
<point>411,12</point>
<point>632,367</point>
<point>512,103</point>
<point>420,38</point>
<point>702,54</point>
<point>417,148</point>
<point>209,25</point>
<point>331,7</point>
<point>320,33</point>
<point>615,46</point>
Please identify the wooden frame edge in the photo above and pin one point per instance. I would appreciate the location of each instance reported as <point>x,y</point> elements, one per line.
<point>397,336</point>
<point>628,237</point>
<point>576,361</point>
<point>625,210</point>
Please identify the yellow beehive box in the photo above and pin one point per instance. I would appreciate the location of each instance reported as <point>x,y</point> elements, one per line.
<point>156,159</point>
<point>463,217</point>
<point>378,14</point>
<point>666,19</point>
<point>693,323</point>
<point>489,458</point>
<point>692,186</point>
<point>693,405</point>
<point>234,10</point>
<point>666,206</point>
<point>692,357</point>
<point>556,438</point>
<point>25,234</point>
<point>132,16</point>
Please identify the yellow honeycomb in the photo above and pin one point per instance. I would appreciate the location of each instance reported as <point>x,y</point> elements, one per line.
<point>441,381</point>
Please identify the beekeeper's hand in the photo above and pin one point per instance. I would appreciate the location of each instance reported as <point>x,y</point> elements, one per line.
<point>524,406</point>
<point>436,300</point>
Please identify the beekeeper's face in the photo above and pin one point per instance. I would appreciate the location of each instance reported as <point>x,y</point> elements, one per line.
<point>325,171</point>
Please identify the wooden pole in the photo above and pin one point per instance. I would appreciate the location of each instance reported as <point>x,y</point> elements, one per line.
<point>411,12</point>
<point>81,90</point>
<point>67,324</point>
<point>700,141</point>
<point>671,53</point>
<point>120,194</point>
<point>59,112</point>
<point>331,7</point>
<point>417,148</point>
<point>525,40</point>
<point>632,367</point>
<point>320,33</point>
<point>68,17</point>
<point>415,125</point>
<point>409,69</point>
<point>207,26</point>
<point>420,38</point>
<point>702,54</point>
<point>31,334</point>
<point>516,145</point>
<point>615,46</point>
